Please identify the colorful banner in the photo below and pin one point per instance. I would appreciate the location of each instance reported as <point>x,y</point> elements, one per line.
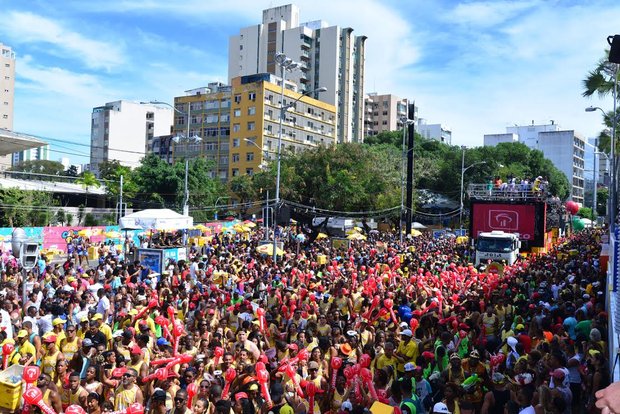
<point>57,238</point>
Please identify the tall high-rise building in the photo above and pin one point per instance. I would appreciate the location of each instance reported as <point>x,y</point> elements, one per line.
<point>383,113</point>
<point>564,148</point>
<point>330,57</point>
<point>7,86</point>
<point>123,130</point>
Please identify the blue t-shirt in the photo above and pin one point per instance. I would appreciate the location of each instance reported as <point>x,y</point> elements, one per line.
<point>569,324</point>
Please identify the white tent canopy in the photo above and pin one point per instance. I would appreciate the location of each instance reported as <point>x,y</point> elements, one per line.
<point>158,219</point>
<point>416,225</point>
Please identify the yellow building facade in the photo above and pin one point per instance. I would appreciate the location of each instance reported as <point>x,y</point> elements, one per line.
<point>254,122</point>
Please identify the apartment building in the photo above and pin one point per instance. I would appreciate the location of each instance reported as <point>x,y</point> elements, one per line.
<point>564,148</point>
<point>383,113</point>
<point>7,86</point>
<point>124,130</point>
<point>329,56</point>
<point>255,118</point>
<point>438,132</point>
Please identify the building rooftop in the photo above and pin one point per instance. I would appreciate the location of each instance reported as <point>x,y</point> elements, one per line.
<point>11,142</point>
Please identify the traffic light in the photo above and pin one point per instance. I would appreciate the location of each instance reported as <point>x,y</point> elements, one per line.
<point>29,254</point>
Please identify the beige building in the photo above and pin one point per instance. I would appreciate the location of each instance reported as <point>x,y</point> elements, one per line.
<point>7,93</point>
<point>7,86</point>
<point>239,123</point>
<point>383,113</point>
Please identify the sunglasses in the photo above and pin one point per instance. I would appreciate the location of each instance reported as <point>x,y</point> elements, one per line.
<point>179,399</point>
<point>127,376</point>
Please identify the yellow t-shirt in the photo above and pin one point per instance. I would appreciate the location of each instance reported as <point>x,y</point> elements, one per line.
<point>409,351</point>
<point>107,331</point>
<point>383,361</point>
<point>24,349</point>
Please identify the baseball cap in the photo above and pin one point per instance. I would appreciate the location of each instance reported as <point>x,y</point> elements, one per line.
<point>159,395</point>
<point>498,378</point>
<point>403,325</point>
<point>97,317</point>
<point>117,334</point>
<point>407,332</point>
<point>87,342</point>
<point>441,408</point>
<point>22,334</point>
<point>58,321</point>
<point>49,339</point>
<point>313,365</point>
<point>253,387</point>
<point>409,367</point>
<point>162,342</point>
<point>558,373</point>
<point>136,350</point>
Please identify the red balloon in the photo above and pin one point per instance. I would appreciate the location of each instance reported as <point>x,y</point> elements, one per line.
<point>572,207</point>
<point>414,323</point>
<point>365,360</point>
<point>336,363</point>
<point>31,373</point>
<point>303,355</point>
<point>135,408</point>
<point>33,395</point>
<point>75,409</point>
<point>230,374</point>
<point>7,349</point>
<point>178,329</point>
<point>388,303</point>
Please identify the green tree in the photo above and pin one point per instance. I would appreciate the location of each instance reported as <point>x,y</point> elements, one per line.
<point>25,208</point>
<point>585,212</point>
<point>40,167</point>
<point>158,184</point>
<point>600,81</point>
<point>203,190</point>
<point>602,195</point>
<point>61,217</point>
<point>87,180</point>
<point>72,171</point>
<point>243,187</point>
<point>111,172</point>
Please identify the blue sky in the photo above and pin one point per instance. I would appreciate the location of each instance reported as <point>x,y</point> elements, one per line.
<point>476,66</point>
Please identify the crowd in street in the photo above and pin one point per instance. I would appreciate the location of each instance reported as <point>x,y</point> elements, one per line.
<point>413,326</point>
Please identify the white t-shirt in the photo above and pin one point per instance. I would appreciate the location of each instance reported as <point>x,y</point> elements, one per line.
<point>103,305</point>
<point>6,323</point>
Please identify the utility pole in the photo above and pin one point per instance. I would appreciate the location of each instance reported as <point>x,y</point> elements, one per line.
<point>410,143</point>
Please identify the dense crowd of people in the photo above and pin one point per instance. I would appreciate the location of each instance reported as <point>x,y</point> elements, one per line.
<point>413,326</point>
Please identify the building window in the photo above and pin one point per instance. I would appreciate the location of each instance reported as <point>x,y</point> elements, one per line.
<point>237,98</point>
<point>236,127</point>
<point>237,113</point>
<point>252,110</point>
<point>252,96</point>
<point>385,122</point>
<point>251,126</point>
<point>225,118</point>
<point>249,171</point>
<point>385,113</point>
<point>249,156</point>
<point>235,157</point>
<point>250,141</point>
<point>235,172</point>
<point>235,142</point>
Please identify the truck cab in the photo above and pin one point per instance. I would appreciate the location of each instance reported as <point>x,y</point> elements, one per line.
<point>497,246</point>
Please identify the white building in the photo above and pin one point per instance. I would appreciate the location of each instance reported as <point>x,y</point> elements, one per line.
<point>491,140</point>
<point>564,148</point>
<point>122,131</point>
<point>331,57</point>
<point>33,154</point>
<point>438,132</point>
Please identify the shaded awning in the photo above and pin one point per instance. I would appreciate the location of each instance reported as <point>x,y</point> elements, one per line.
<point>11,142</point>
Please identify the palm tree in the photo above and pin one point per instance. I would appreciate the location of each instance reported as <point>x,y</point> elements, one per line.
<point>600,81</point>
<point>87,180</point>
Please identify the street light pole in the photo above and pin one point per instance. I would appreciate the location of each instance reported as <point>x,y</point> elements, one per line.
<point>177,140</point>
<point>406,122</point>
<point>463,170</point>
<point>286,64</point>
<point>611,201</point>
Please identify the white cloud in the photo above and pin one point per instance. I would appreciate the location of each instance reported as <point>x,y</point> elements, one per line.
<point>487,13</point>
<point>26,27</point>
